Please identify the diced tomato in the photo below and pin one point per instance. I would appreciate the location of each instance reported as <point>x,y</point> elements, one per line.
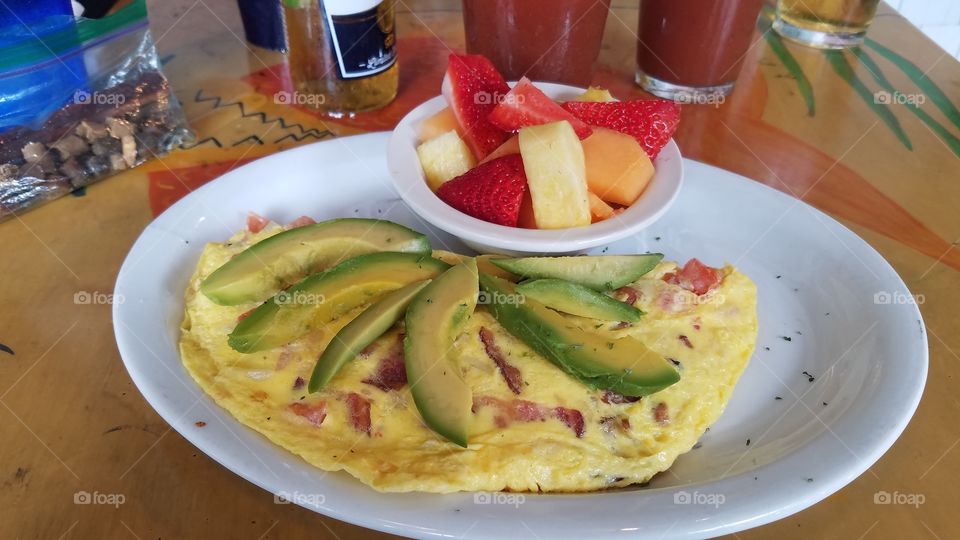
<point>300,222</point>
<point>695,277</point>
<point>256,222</point>
<point>526,105</point>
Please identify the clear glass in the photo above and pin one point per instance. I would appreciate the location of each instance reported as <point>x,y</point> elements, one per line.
<point>690,50</point>
<point>825,24</point>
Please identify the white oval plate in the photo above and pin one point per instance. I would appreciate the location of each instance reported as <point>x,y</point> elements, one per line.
<point>410,182</point>
<point>848,316</point>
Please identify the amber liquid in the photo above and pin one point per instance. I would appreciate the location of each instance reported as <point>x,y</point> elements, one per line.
<point>313,64</point>
<point>829,16</point>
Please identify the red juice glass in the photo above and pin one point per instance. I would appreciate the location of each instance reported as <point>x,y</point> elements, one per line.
<point>691,50</point>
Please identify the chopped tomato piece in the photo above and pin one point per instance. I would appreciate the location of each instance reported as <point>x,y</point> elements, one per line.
<point>300,222</point>
<point>256,222</point>
<point>695,277</point>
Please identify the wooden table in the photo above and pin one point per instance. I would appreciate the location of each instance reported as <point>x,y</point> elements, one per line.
<point>800,120</point>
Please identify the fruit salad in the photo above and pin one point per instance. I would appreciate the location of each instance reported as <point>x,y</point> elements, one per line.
<point>515,157</point>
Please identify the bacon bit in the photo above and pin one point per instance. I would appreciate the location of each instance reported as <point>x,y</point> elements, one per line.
<point>696,323</point>
<point>256,222</point>
<point>609,396</point>
<point>572,418</point>
<point>609,424</point>
<point>685,340</point>
<point>315,414</point>
<point>622,324</point>
<point>200,423</point>
<point>627,295</point>
<point>391,372</point>
<point>521,410</point>
<point>300,222</point>
<point>284,358</point>
<point>245,314</point>
<point>298,383</point>
<point>368,350</point>
<point>510,373</point>
<point>359,408</point>
<point>660,414</point>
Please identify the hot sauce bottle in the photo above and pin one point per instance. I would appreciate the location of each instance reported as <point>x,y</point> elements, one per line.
<point>343,54</point>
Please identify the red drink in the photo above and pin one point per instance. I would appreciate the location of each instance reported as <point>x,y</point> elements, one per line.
<point>690,50</point>
<point>545,40</point>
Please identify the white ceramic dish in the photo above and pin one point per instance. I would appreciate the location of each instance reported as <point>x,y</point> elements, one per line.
<point>409,181</point>
<point>819,284</point>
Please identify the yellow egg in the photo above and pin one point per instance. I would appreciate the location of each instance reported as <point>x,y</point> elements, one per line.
<point>556,435</point>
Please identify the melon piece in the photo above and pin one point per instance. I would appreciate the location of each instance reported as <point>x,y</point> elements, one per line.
<point>526,105</point>
<point>512,146</point>
<point>526,219</point>
<point>556,175</point>
<point>472,87</point>
<point>595,93</point>
<point>599,210</point>
<point>444,158</point>
<point>618,170</point>
<point>438,124</point>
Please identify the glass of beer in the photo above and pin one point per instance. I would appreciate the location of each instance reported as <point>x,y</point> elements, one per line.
<point>825,24</point>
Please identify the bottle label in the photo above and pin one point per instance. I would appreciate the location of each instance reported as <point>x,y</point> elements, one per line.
<point>363,36</point>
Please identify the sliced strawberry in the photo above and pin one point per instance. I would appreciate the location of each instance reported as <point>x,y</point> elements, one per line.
<point>491,191</point>
<point>472,88</point>
<point>650,121</point>
<point>695,277</point>
<point>526,105</point>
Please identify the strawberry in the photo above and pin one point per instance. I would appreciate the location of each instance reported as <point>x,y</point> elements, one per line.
<point>491,191</point>
<point>526,105</point>
<point>650,121</point>
<point>472,88</point>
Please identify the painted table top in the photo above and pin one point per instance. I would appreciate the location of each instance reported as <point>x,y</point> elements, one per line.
<point>809,123</point>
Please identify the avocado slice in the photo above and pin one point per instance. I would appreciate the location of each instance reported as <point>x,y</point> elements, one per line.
<point>623,365</point>
<point>576,299</point>
<point>268,266</point>
<point>437,314</point>
<point>320,298</point>
<point>362,331</point>
<point>601,273</point>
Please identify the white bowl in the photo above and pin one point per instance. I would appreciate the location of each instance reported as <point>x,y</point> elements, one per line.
<point>409,180</point>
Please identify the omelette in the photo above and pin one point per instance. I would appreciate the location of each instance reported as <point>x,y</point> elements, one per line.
<point>534,428</point>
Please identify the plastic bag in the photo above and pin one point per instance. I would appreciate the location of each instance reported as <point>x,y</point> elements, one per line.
<point>81,103</point>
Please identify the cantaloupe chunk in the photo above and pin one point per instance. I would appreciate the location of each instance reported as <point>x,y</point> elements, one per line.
<point>526,219</point>
<point>556,176</point>
<point>618,170</point>
<point>512,146</point>
<point>438,124</point>
<point>599,210</point>
<point>444,157</point>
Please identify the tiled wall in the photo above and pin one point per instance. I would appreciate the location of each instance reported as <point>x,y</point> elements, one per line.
<point>938,19</point>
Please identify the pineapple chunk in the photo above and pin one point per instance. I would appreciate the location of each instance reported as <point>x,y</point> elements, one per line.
<point>444,157</point>
<point>595,93</point>
<point>556,175</point>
